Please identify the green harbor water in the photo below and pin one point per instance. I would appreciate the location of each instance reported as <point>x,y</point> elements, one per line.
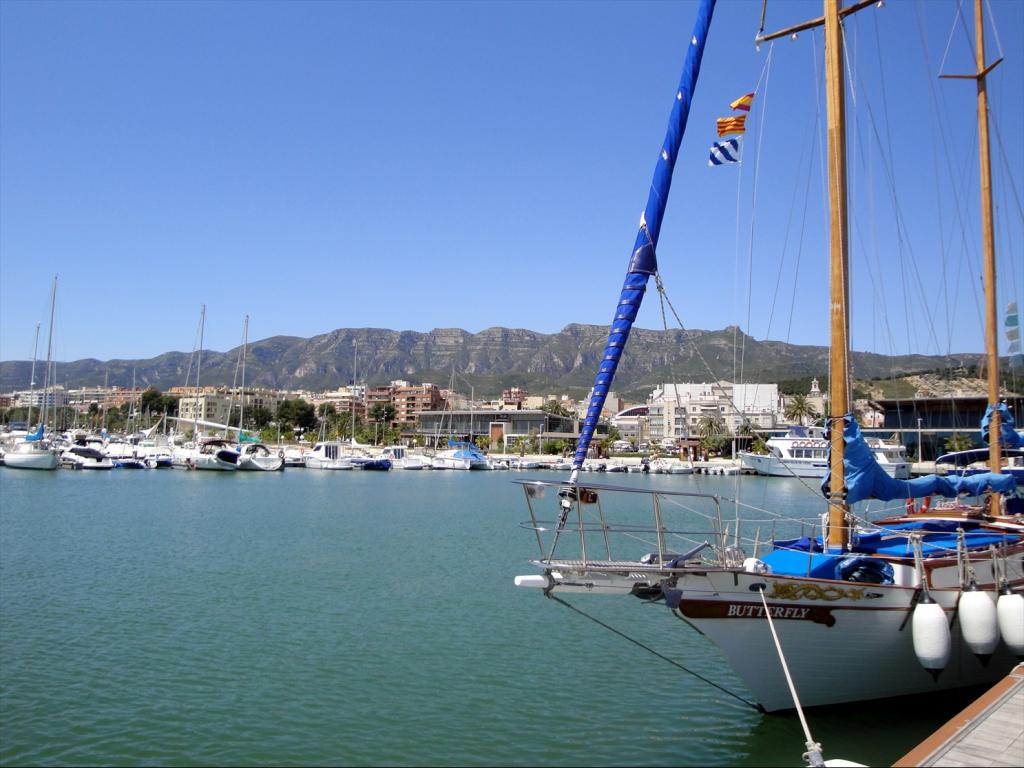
<point>302,617</point>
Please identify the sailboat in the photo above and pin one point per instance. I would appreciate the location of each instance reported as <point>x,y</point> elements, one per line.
<point>925,600</point>
<point>253,455</point>
<point>216,454</point>
<point>34,450</point>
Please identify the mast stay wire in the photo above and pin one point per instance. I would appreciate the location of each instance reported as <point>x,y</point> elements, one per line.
<point>763,77</point>
<point>905,247</point>
<point>937,126</point>
<point>968,254</point>
<point>753,210</point>
<point>647,648</point>
<point>663,300</point>
<point>805,154</point>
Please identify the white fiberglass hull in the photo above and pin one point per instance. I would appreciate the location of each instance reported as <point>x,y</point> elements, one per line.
<point>42,459</point>
<point>77,462</point>
<point>773,466</point>
<point>843,643</point>
<point>316,462</point>
<point>412,462</point>
<point>193,459</point>
<point>260,463</point>
<point>450,462</point>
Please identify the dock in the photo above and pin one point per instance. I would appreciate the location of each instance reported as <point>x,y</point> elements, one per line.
<point>990,732</point>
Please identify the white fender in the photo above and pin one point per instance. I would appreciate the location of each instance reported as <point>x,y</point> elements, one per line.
<point>978,622</point>
<point>1010,612</point>
<point>931,636</point>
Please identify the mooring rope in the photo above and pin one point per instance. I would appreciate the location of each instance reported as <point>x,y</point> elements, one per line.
<point>674,663</point>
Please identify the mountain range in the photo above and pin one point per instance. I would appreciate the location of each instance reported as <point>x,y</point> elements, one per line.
<point>488,361</point>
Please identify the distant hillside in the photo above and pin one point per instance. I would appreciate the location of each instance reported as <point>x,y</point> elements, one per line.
<point>492,359</point>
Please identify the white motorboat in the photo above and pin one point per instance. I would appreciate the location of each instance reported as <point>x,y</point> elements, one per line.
<point>85,457</point>
<point>803,452</point>
<point>460,455</point>
<point>666,466</point>
<point>402,458</point>
<point>156,456</point>
<point>216,454</point>
<point>525,464</point>
<point>258,457</point>
<point>124,454</point>
<point>329,454</point>
<point>295,456</point>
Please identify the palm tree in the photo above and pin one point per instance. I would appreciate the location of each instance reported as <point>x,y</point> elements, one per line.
<point>799,410</point>
<point>711,425</point>
<point>958,442</point>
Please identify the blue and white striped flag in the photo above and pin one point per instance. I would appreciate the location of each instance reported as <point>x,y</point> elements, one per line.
<point>723,152</point>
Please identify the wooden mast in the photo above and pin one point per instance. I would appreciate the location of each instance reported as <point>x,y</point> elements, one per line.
<point>839,389</point>
<point>838,533</point>
<point>989,251</point>
<point>988,244</point>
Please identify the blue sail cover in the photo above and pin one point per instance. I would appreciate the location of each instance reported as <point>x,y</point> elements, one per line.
<point>36,436</point>
<point>1008,436</point>
<point>643,263</point>
<point>865,479</point>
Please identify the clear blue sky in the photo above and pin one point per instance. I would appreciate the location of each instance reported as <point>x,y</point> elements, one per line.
<point>419,165</point>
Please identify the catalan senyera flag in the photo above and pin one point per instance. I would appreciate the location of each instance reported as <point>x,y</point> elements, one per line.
<point>727,125</point>
<point>743,102</point>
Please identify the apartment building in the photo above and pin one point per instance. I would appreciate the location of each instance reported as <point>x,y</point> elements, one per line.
<point>676,410</point>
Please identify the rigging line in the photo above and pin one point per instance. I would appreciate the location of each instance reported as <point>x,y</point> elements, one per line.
<point>938,112</point>
<point>959,14</point>
<point>1011,185</point>
<point>659,283</point>
<point>803,229</point>
<point>966,31</point>
<point>821,164</point>
<point>995,28</point>
<point>647,648</point>
<point>822,152</point>
<point>753,204</point>
<point>736,261</point>
<point>736,252</point>
<point>716,381</point>
<point>903,240</point>
<point>881,80</point>
<point>878,290</point>
<point>943,251</point>
<point>789,224</point>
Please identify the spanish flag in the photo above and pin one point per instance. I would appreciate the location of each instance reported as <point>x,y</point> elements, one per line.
<point>727,125</point>
<point>743,102</point>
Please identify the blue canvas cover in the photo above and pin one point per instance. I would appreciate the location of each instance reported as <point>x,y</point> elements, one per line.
<point>865,479</point>
<point>35,436</point>
<point>1008,436</point>
<point>643,262</point>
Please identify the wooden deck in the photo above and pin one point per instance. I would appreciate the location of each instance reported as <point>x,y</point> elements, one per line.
<point>990,732</point>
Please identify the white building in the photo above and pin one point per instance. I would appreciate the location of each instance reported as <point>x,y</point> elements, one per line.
<point>676,410</point>
<point>54,397</point>
<point>633,424</point>
<point>215,408</point>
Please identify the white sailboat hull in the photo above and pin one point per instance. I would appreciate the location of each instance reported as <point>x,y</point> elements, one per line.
<point>31,459</point>
<point>870,635</point>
